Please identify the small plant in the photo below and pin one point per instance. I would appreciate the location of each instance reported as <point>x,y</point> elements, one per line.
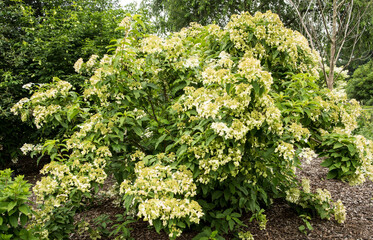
<point>208,234</point>
<point>245,235</point>
<point>61,223</point>
<point>347,157</point>
<point>307,225</point>
<point>318,203</point>
<point>14,211</point>
<point>121,229</point>
<point>260,218</point>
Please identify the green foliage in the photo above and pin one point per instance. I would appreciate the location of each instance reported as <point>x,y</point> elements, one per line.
<point>61,223</point>
<point>360,86</point>
<point>40,40</point>
<point>347,157</point>
<point>307,225</point>
<point>197,128</point>
<point>121,229</point>
<point>14,209</point>
<point>365,123</point>
<point>208,234</point>
<point>174,15</point>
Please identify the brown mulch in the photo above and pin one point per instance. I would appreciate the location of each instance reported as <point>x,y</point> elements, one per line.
<point>283,221</point>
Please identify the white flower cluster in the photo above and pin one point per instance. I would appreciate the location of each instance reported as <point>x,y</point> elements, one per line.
<point>126,22</point>
<point>192,62</point>
<point>157,189</point>
<point>168,209</point>
<point>292,195</point>
<point>306,185</point>
<point>78,65</point>
<point>273,34</point>
<point>219,155</point>
<point>307,155</point>
<point>92,61</point>
<point>286,150</point>
<point>152,44</point>
<point>161,181</point>
<point>41,113</point>
<point>26,148</point>
<point>323,195</point>
<point>340,212</point>
<point>299,132</point>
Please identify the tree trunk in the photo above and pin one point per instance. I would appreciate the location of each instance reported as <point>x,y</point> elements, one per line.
<point>333,40</point>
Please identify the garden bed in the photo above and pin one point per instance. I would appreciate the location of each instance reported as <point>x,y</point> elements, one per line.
<point>283,221</point>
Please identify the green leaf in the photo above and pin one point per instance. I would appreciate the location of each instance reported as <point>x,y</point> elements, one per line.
<point>327,162</point>
<point>216,195</point>
<point>231,225</point>
<point>160,140</point>
<point>352,149</point>
<point>209,140</point>
<point>337,145</point>
<point>256,87</point>
<point>181,224</point>
<point>332,174</point>
<point>157,225</point>
<point>71,113</point>
<point>137,131</point>
<point>309,226</point>
<point>11,205</point>
<point>24,209</point>
<point>13,220</point>
<point>1,221</point>
<point>181,150</point>
<point>24,219</point>
<point>302,228</point>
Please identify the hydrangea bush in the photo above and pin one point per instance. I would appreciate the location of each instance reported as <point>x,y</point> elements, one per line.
<point>199,127</point>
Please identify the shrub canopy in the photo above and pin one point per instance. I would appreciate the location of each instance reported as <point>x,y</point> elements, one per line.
<point>206,124</point>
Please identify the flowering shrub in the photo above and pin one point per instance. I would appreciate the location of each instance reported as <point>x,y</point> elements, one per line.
<point>202,126</point>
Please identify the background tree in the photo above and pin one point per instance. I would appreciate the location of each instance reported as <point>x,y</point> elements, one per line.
<point>334,28</point>
<point>172,15</point>
<point>360,86</point>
